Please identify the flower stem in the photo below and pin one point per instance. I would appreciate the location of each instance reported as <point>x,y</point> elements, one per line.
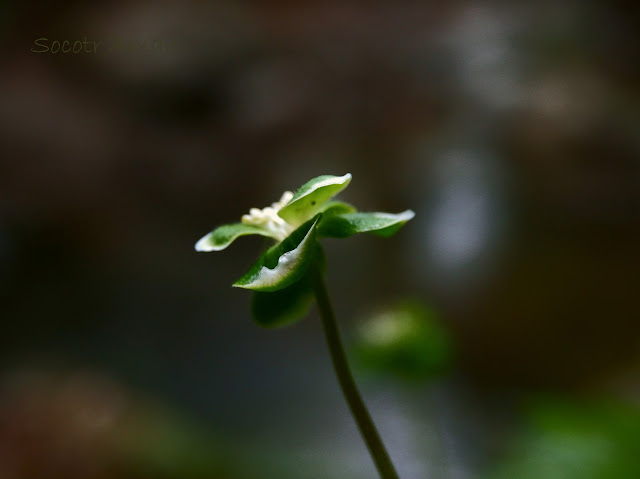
<point>347,384</point>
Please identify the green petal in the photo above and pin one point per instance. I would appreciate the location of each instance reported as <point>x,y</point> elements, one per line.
<point>381,224</point>
<point>224,235</point>
<point>284,307</point>
<point>288,305</point>
<point>311,196</point>
<point>284,263</point>
<point>333,208</point>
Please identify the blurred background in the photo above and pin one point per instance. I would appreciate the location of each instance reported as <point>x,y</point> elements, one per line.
<point>495,336</point>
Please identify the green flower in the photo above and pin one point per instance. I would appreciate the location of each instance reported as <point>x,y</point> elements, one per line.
<point>282,293</point>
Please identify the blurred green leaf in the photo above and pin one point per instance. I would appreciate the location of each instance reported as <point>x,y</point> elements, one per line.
<point>404,341</point>
<point>575,441</point>
<point>154,442</point>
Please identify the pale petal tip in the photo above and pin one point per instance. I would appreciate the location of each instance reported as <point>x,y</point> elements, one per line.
<point>204,245</point>
<point>407,215</point>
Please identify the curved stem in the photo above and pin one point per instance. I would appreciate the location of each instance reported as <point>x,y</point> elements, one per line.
<point>347,384</point>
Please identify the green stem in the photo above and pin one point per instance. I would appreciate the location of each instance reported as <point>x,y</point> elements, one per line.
<point>345,378</point>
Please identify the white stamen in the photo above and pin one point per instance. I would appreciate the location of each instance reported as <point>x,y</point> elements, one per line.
<point>268,218</point>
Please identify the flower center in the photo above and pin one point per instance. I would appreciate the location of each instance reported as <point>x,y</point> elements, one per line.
<point>268,218</point>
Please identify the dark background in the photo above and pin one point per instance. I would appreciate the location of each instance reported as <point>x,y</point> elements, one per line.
<point>512,129</point>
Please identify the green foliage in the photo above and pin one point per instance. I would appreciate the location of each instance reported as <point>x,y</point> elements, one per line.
<point>333,208</point>
<point>311,196</point>
<point>575,441</point>
<point>224,235</point>
<point>271,310</point>
<point>155,442</point>
<point>283,264</point>
<point>280,308</point>
<point>348,224</point>
<point>405,341</point>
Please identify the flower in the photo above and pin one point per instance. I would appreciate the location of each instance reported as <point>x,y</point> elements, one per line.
<point>295,222</point>
<point>283,217</point>
<point>268,218</point>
